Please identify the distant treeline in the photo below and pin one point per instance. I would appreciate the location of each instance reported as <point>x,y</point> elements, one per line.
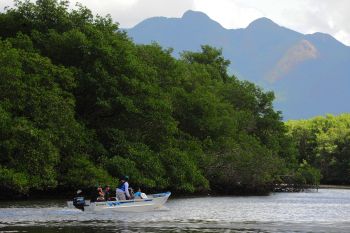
<point>81,104</point>
<point>324,142</point>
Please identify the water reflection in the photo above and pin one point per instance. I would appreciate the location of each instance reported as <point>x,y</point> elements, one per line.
<point>325,211</point>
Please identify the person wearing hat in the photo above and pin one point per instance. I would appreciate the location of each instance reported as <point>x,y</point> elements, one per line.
<point>122,192</point>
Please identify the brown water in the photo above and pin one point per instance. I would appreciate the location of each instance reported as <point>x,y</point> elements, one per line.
<point>325,211</point>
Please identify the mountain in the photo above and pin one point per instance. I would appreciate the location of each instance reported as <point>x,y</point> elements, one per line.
<point>310,74</point>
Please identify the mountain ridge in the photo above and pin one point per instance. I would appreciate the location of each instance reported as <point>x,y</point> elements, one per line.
<point>308,63</point>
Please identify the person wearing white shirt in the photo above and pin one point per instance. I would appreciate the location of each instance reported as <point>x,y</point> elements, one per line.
<point>122,192</point>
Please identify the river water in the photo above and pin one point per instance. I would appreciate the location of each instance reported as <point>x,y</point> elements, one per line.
<point>327,210</point>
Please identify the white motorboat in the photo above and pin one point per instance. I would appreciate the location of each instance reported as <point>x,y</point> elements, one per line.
<point>152,202</point>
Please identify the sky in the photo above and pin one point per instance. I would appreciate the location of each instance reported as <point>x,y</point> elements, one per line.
<point>305,16</point>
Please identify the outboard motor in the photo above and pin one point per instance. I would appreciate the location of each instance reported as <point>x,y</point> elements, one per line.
<point>79,203</point>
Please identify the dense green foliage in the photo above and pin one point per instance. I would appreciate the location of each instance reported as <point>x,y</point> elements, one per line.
<point>324,142</point>
<point>81,104</point>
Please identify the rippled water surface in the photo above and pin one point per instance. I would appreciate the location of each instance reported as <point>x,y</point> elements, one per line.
<point>327,210</point>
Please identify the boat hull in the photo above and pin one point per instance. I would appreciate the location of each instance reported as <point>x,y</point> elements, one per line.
<point>154,202</point>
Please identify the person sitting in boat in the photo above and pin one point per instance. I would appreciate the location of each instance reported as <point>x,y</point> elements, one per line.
<point>79,200</point>
<point>107,192</point>
<point>101,195</point>
<point>122,192</point>
<point>140,195</point>
<point>79,193</point>
<point>131,192</point>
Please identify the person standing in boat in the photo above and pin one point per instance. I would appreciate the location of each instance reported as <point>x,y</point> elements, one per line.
<point>122,192</point>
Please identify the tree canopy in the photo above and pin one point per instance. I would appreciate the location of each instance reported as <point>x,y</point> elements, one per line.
<point>81,104</point>
<point>324,142</point>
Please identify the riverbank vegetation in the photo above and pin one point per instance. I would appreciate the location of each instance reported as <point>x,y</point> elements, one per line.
<point>81,104</point>
<point>324,143</point>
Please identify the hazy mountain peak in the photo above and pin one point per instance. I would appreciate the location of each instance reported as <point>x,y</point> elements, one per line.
<point>194,14</point>
<point>198,17</point>
<point>326,39</point>
<point>262,23</point>
<point>323,35</point>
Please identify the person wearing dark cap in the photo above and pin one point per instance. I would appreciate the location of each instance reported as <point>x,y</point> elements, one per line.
<point>122,192</point>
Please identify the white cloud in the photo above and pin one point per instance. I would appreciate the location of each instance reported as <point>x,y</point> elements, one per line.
<point>5,3</point>
<point>306,16</point>
<point>311,16</point>
<point>130,12</point>
<point>230,14</point>
<point>343,36</point>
